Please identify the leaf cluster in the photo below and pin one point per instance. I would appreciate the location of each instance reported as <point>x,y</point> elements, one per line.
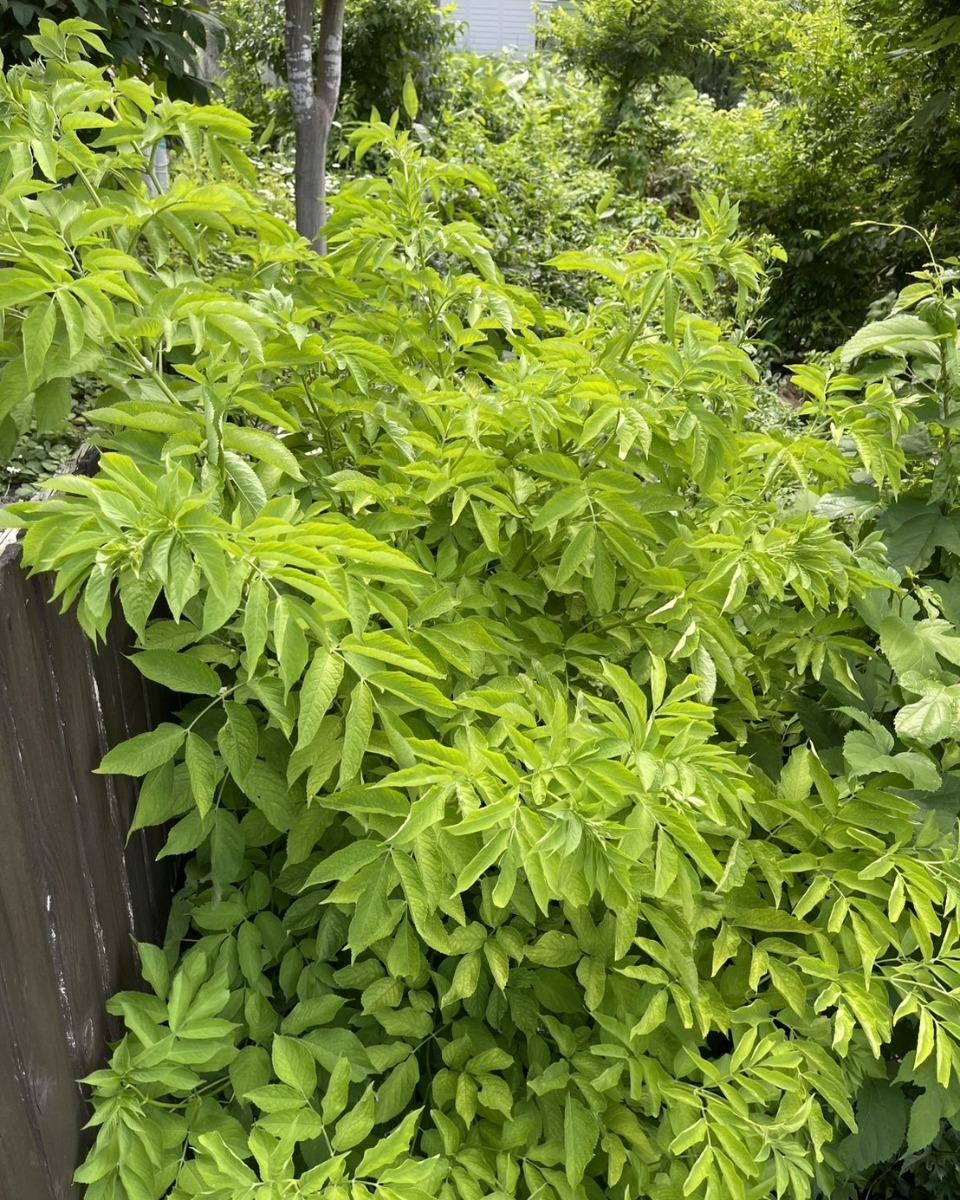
<point>540,840</point>
<point>901,372</point>
<point>159,38</point>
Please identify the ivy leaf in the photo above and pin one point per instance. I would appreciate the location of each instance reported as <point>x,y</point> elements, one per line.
<point>935,716</point>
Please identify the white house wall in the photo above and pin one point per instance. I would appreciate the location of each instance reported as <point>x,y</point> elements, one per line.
<point>495,24</point>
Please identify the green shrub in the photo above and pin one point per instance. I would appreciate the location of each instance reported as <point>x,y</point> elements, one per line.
<point>541,842</point>
<point>902,368</point>
<point>55,326</point>
<point>919,117</point>
<point>531,129</point>
<point>632,50</point>
<point>802,154</point>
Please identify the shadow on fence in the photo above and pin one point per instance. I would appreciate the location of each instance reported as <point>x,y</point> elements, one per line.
<point>73,896</point>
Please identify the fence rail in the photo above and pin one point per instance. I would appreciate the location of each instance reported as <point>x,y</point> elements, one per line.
<point>73,894</point>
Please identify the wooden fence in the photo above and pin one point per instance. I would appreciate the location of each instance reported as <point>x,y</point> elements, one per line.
<point>73,895</point>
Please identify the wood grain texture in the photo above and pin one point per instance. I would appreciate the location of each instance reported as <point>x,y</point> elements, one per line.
<point>73,894</point>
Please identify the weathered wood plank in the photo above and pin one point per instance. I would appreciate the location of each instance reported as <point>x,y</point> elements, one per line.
<point>101,831</point>
<point>24,1170</point>
<point>30,993</point>
<point>73,894</point>
<point>52,808</point>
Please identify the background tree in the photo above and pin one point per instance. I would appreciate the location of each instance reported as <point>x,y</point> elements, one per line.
<point>161,39</point>
<point>384,41</point>
<point>623,44</point>
<point>314,69</point>
<point>631,48</point>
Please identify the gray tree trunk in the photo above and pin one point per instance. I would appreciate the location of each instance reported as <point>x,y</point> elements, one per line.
<point>313,77</point>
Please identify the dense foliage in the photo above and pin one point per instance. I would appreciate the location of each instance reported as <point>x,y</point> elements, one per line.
<point>920,41</point>
<point>817,118</point>
<point>801,154</point>
<point>387,41</point>
<point>161,38</point>
<point>625,43</point>
<point>560,758</point>
<point>531,128</point>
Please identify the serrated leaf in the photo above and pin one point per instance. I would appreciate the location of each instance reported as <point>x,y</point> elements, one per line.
<point>290,641</point>
<point>255,626</point>
<point>246,480</point>
<point>154,968</point>
<point>338,1089</point>
<point>177,671</point>
<point>356,733</point>
<point>344,863</point>
<point>881,1120</point>
<point>309,1014</point>
<point>145,752</point>
<point>580,1136</point>
<point>201,771</point>
<point>319,688</point>
<point>483,860</point>
<point>238,739</point>
<point>395,1145</point>
<point>259,444</point>
<point>926,1113</point>
<point>355,1126</point>
<point>396,1091</point>
<point>576,553</point>
<point>935,716</point>
<point>294,1065</point>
